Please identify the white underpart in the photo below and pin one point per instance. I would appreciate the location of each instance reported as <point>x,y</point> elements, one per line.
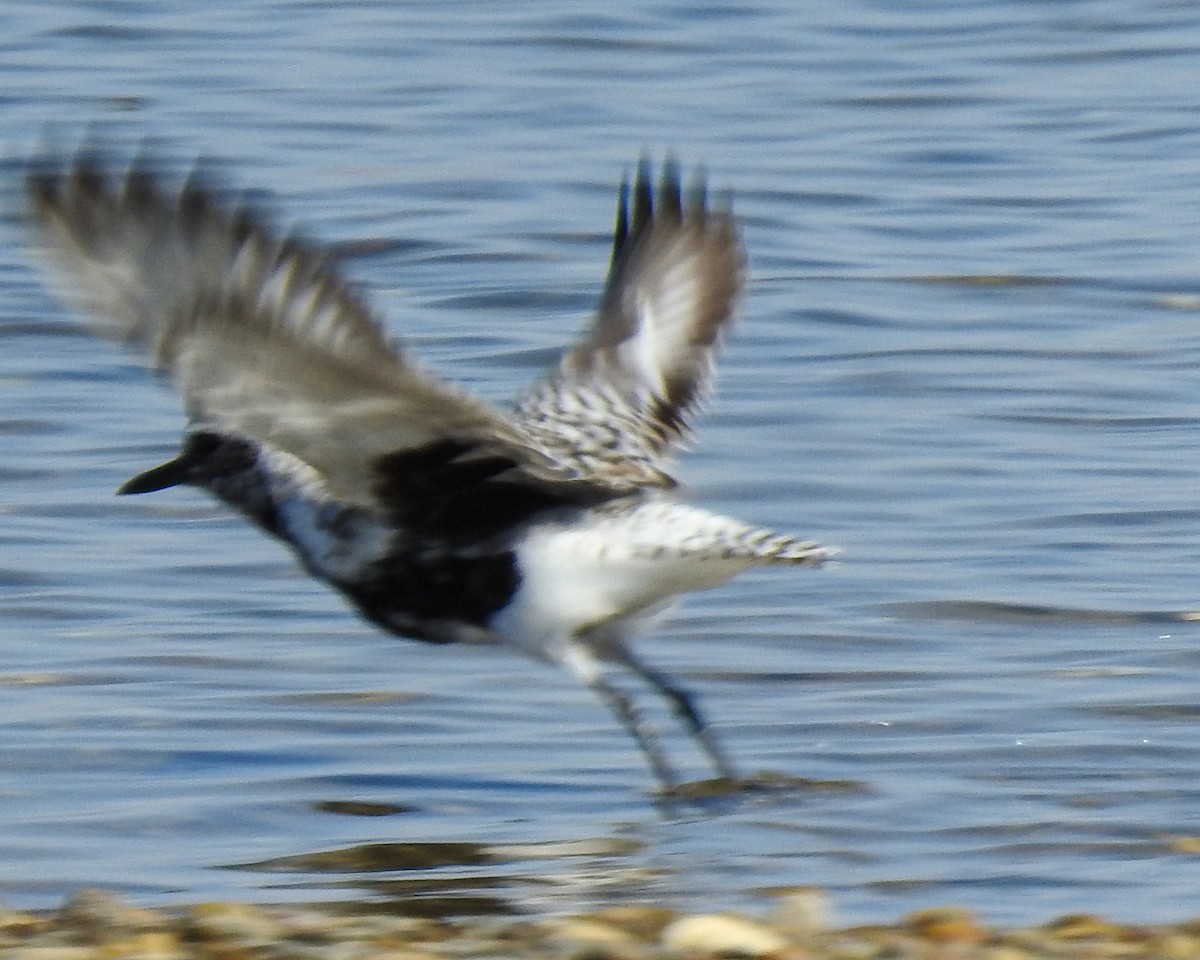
<point>615,568</point>
<point>335,541</point>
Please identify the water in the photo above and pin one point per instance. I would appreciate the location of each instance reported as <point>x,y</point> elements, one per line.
<point>969,357</point>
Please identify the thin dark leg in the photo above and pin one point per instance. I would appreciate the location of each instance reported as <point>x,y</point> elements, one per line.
<point>581,660</point>
<point>685,708</point>
<point>625,710</point>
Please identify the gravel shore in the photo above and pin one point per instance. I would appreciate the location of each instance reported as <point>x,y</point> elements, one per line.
<point>96,925</point>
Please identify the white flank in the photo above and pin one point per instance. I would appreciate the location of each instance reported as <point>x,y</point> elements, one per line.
<point>628,561</point>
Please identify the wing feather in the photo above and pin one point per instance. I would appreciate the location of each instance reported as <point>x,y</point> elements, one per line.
<point>261,335</point>
<point>626,392</point>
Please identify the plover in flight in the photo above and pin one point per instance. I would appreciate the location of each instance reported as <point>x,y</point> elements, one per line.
<point>550,526</point>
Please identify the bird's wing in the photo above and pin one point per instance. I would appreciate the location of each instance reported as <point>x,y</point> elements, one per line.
<point>626,392</point>
<point>263,338</point>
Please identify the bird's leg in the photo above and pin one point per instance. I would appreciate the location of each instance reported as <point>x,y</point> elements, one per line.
<point>685,708</point>
<point>580,660</point>
<point>647,738</point>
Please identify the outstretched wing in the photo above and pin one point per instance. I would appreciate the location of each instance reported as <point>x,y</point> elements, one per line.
<point>261,335</point>
<point>624,395</point>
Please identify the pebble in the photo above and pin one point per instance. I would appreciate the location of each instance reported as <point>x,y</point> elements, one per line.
<point>946,925</point>
<point>801,912</point>
<point>578,938</point>
<point>98,925</point>
<point>645,922</point>
<point>715,933</point>
<point>236,924</point>
<point>103,915</point>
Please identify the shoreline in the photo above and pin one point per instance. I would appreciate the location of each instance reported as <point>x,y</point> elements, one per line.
<point>98,925</point>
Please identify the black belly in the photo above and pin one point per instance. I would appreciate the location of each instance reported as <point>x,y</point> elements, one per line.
<point>419,594</point>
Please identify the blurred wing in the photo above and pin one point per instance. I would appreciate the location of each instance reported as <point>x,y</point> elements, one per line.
<point>260,334</point>
<point>626,392</point>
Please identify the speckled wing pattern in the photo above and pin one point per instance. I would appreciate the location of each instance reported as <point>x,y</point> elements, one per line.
<point>624,395</point>
<point>260,334</point>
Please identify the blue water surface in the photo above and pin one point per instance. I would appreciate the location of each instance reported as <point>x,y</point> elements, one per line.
<point>969,357</point>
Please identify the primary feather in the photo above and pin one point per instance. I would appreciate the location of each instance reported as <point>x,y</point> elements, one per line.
<point>260,334</point>
<point>627,390</point>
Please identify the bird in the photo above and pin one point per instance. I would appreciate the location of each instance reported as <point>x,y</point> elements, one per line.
<point>551,525</point>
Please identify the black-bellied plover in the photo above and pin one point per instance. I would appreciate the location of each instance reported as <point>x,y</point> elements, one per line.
<point>549,526</point>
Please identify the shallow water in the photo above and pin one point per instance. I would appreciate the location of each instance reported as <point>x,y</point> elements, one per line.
<point>968,357</point>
